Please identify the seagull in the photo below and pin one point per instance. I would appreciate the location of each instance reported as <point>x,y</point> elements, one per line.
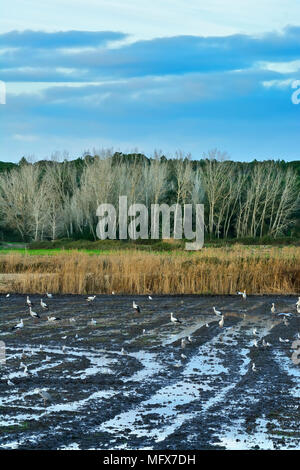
<point>255,331</point>
<point>174,319</point>
<point>18,326</point>
<point>52,319</point>
<point>183,343</point>
<point>149,297</point>
<point>221,322</point>
<point>113,292</point>
<point>243,294</point>
<point>255,343</point>
<point>33,314</point>
<point>23,355</point>
<point>297,303</point>
<point>183,356</point>
<point>90,298</point>
<point>28,301</point>
<point>284,340</point>
<point>136,307</point>
<point>298,308</point>
<point>44,305</point>
<point>217,312</point>
<point>45,395</point>
<point>123,351</point>
<point>178,364</point>
<point>49,295</point>
<point>10,383</point>
<point>8,295</point>
<point>72,320</point>
<point>273,309</point>
<point>253,367</point>
<point>265,344</point>
<point>189,338</point>
<point>144,331</point>
<point>93,322</point>
<point>25,371</point>
<point>207,325</point>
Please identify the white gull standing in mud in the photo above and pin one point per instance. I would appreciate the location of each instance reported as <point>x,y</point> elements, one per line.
<point>45,395</point>
<point>18,326</point>
<point>136,307</point>
<point>28,301</point>
<point>273,309</point>
<point>52,319</point>
<point>174,319</point>
<point>284,340</point>
<point>217,312</point>
<point>44,305</point>
<point>33,314</point>
<point>183,343</point>
<point>243,294</point>
<point>178,364</point>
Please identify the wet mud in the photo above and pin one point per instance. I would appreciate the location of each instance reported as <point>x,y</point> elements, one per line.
<point>121,382</point>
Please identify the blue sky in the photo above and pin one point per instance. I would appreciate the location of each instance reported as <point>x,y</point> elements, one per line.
<point>82,75</point>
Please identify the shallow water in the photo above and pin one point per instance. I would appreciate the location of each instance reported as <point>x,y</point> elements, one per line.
<point>149,397</point>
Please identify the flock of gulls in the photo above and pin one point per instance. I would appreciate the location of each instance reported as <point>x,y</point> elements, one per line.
<point>176,321</point>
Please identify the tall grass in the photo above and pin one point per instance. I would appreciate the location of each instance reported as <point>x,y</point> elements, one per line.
<point>210,271</point>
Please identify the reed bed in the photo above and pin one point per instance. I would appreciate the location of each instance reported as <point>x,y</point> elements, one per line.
<point>259,270</point>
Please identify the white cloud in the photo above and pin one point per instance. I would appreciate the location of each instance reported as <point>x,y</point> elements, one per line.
<point>281,67</point>
<point>25,137</point>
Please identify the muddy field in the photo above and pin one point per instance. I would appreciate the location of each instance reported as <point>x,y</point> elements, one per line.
<point>147,396</point>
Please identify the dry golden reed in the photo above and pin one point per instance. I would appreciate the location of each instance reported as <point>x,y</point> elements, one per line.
<point>260,270</point>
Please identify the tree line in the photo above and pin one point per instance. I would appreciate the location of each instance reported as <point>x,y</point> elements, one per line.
<point>52,199</point>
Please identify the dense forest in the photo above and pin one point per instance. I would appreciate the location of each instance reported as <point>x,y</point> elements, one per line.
<point>58,198</point>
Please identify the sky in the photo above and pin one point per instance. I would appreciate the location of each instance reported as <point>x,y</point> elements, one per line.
<point>165,75</point>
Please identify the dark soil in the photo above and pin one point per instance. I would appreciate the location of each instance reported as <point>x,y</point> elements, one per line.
<point>150,397</point>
